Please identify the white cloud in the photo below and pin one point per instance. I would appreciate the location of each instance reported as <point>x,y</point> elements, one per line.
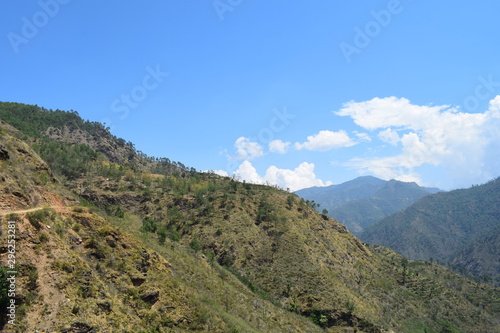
<point>391,111</point>
<point>246,149</point>
<point>247,172</point>
<point>301,177</point>
<point>439,135</point>
<point>494,109</point>
<point>389,136</point>
<point>278,146</point>
<point>222,173</point>
<point>326,140</point>
<point>363,136</point>
<point>409,178</point>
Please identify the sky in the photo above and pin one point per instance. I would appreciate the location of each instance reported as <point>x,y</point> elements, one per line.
<point>289,93</point>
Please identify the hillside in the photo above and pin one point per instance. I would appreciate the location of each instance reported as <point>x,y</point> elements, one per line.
<point>459,227</point>
<point>27,181</point>
<point>68,143</point>
<point>365,200</point>
<point>82,270</point>
<point>146,250</point>
<point>481,256</point>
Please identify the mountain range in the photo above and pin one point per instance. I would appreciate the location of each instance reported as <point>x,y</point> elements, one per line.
<point>365,200</point>
<point>109,239</point>
<point>460,227</point>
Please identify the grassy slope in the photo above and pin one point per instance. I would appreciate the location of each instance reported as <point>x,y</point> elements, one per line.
<point>285,253</point>
<point>80,268</point>
<point>303,260</point>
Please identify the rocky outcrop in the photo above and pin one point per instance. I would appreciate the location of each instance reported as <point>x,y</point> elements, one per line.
<point>4,154</point>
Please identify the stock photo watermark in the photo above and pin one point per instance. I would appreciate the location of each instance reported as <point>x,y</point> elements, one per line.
<point>31,26</point>
<point>371,30</point>
<point>280,120</point>
<point>151,81</point>
<point>223,6</point>
<point>10,275</point>
<point>485,90</point>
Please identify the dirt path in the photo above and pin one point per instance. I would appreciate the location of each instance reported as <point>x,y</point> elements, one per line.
<point>31,210</point>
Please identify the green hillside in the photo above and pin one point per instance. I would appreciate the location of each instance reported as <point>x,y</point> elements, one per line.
<point>148,245</point>
<point>460,226</point>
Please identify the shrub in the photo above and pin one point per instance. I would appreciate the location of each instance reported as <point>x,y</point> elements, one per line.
<point>195,244</point>
<point>162,235</point>
<point>119,213</point>
<point>32,279</point>
<point>266,211</point>
<point>4,285</point>
<point>290,200</point>
<point>211,187</point>
<point>37,217</point>
<point>43,237</point>
<point>174,234</point>
<point>149,225</point>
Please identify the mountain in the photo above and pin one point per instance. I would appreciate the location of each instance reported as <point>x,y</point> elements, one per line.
<point>146,245</point>
<point>365,200</point>
<point>333,196</point>
<point>461,227</point>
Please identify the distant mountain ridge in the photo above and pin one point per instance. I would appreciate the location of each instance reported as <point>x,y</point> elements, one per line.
<point>365,200</point>
<point>461,227</point>
<point>334,196</point>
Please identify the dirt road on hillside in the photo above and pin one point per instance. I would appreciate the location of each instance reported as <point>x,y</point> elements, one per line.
<point>57,208</point>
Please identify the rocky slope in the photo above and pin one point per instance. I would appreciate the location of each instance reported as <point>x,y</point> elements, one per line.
<point>25,179</point>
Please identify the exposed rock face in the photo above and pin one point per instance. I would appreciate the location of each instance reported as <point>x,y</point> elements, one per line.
<point>150,297</point>
<point>4,154</point>
<point>28,186</point>
<point>103,143</point>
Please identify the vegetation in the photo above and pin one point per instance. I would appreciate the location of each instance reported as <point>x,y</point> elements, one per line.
<point>57,135</point>
<point>458,227</point>
<point>185,251</point>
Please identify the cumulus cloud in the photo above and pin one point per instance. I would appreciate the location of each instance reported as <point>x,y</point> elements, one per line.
<point>278,146</point>
<point>246,171</point>
<point>389,136</point>
<point>326,140</point>
<point>301,177</point>
<point>246,149</point>
<point>391,111</point>
<point>438,135</point>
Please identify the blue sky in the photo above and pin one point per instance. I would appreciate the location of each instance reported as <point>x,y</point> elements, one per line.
<point>291,93</point>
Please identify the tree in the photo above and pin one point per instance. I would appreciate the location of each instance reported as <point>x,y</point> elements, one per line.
<point>162,235</point>
<point>290,201</point>
<point>404,264</point>
<point>195,244</point>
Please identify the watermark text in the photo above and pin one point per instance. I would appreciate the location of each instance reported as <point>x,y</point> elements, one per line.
<point>31,26</point>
